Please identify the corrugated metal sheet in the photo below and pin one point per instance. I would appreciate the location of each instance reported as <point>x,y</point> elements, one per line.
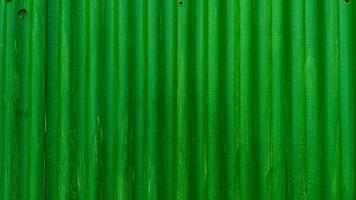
<point>187,99</point>
<point>22,99</point>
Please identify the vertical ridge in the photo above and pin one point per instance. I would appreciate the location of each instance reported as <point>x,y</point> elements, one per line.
<point>152,99</point>
<point>312,64</point>
<point>245,105</point>
<point>182,103</point>
<point>298,177</point>
<point>122,137</point>
<point>332,103</point>
<point>37,83</point>
<point>80,46</point>
<point>26,88</point>
<point>7,101</point>
<point>93,118</point>
<point>63,112</point>
<point>52,113</point>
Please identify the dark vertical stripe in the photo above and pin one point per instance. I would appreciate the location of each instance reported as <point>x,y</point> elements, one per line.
<point>347,105</point>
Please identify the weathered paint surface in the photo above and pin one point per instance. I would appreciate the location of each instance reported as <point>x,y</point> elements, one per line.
<point>177,99</point>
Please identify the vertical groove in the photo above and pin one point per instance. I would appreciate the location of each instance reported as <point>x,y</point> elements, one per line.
<point>169,21</point>
<point>347,105</point>
<point>278,146</point>
<point>213,98</point>
<point>108,82</point>
<point>229,140</point>
<point>3,26</point>
<point>139,106</point>
<point>93,118</point>
<point>201,96</point>
<point>264,106</point>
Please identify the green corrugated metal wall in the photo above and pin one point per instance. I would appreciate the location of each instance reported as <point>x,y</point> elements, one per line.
<point>169,99</point>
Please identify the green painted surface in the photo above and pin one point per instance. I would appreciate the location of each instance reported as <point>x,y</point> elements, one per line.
<point>169,99</point>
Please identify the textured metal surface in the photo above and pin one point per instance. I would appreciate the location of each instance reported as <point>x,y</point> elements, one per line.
<point>165,99</point>
<point>22,99</point>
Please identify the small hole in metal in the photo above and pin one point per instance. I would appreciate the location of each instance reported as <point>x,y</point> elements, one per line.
<point>181,3</point>
<point>347,1</point>
<point>8,1</point>
<point>21,13</point>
